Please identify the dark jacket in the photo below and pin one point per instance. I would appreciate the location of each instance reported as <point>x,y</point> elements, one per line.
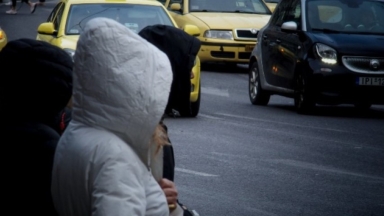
<point>36,84</point>
<point>181,49</point>
<point>63,119</point>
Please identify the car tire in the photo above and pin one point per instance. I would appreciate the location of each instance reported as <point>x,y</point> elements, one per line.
<point>256,94</point>
<point>304,101</point>
<point>195,106</point>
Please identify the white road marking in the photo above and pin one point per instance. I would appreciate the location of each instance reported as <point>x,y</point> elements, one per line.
<point>215,91</point>
<point>209,117</point>
<point>279,122</point>
<point>194,172</point>
<point>227,155</point>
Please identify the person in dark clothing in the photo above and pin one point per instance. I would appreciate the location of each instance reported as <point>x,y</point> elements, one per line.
<point>41,2</point>
<point>181,49</point>
<point>13,6</point>
<point>35,87</point>
<point>63,119</point>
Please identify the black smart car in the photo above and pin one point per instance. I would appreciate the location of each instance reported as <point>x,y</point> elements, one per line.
<point>321,52</point>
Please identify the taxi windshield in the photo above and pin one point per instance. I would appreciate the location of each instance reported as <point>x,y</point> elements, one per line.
<point>134,17</point>
<point>347,16</point>
<point>229,6</point>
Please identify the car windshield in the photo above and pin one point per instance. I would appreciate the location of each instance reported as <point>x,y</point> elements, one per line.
<point>346,16</point>
<point>272,1</point>
<point>134,17</point>
<point>229,6</point>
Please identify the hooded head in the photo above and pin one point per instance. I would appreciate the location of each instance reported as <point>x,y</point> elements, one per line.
<point>121,83</point>
<point>36,82</point>
<point>181,49</point>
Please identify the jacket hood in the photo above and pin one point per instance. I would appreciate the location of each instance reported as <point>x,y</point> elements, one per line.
<point>181,49</point>
<point>36,81</point>
<point>121,83</point>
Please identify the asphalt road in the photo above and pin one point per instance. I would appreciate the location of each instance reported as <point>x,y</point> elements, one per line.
<point>236,159</point>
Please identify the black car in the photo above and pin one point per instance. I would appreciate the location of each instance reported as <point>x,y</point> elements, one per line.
<point>321,52</point>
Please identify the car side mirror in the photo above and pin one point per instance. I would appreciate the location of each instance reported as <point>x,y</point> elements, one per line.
<point>176,7</point>
<point>289,26</point>
<point>192,30</point>
<point>47,28</point>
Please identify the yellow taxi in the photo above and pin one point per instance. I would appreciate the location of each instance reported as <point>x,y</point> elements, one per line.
<point>68,18</point>
<point>229,27</point>
<point>3,39</point>
<point>271,4</point>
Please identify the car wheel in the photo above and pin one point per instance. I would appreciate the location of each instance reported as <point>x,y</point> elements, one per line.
<point>195,106</point>
<point>256,94</point>
<point>363,106</point>
<point>304,102</point>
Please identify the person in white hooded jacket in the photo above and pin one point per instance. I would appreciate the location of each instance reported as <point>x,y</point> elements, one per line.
<point>104,160</point>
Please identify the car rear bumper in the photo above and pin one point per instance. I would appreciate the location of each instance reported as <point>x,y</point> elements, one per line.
<point>338,85</point>
<point>226,52</point>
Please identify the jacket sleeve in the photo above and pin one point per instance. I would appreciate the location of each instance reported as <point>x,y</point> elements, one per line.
<point>118,185</point>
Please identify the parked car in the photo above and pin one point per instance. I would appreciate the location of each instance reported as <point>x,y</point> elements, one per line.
<point>271,4</point>
<point>3,39</point>
<point>67,19</point>
<point>229,27</point>
<point>321,52</point>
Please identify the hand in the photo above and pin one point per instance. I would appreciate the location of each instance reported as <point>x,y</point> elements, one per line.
<point>170,191</point>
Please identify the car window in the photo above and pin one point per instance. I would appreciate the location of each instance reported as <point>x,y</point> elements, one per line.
<point>287,11</point>
<point>52,16</point>
<point>57,19</point>
<point>232,6</point>
<point>293,13</point>
<point>346,16</point>
<point>134,17</point>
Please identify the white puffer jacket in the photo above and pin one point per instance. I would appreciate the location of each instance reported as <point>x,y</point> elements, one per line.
<point>102,162</point>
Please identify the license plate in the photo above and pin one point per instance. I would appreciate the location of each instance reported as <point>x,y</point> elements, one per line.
<point>249,48</point>
<point>370,81</point>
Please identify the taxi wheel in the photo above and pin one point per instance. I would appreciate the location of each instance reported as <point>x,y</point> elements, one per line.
<point>195,106</point>
<point>303,97</point>
<point>256,94</point>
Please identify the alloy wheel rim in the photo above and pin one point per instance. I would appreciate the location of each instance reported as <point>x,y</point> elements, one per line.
<point>253,83</point>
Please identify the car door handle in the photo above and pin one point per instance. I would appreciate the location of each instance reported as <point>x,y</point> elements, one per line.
<point>278,41</point>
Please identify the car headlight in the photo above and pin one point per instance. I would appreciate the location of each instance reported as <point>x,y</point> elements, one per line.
<point>327,54</point>
<point>70,52</point>
<point>218,34</point>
